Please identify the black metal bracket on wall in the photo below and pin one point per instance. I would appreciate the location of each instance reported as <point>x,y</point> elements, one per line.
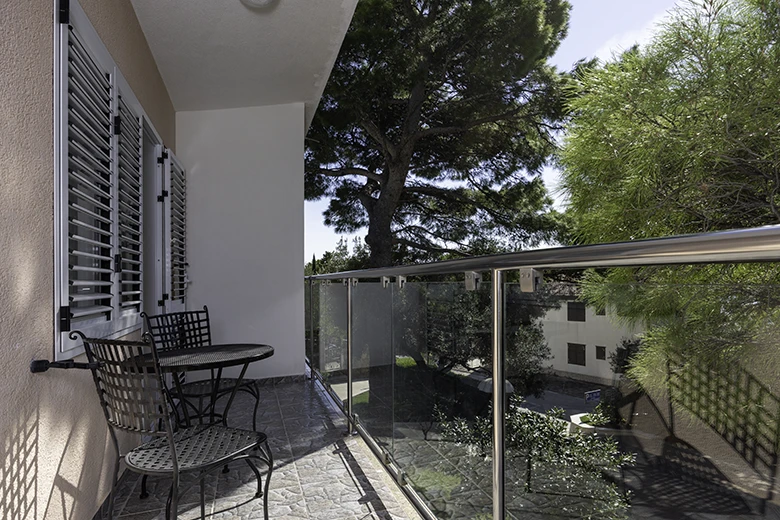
<point>42,365</point>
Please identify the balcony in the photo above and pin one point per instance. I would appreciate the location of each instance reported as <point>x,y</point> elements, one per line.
<point>431,362</point>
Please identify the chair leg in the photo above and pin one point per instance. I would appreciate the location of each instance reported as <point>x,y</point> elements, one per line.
<point>259,477</point>
<point>112,495</point>
<point>144,493</point>
<point>270,461</point>
<point>254,415</point>
<point>172,505</point>
<point>202,499</point>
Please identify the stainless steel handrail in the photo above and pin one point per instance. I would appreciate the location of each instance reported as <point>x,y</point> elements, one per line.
<point>741,245</point>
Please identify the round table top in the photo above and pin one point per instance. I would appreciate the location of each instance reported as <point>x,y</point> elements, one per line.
<point>212,356</point>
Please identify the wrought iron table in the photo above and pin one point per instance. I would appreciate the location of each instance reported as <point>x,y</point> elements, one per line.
<point>214,358</point>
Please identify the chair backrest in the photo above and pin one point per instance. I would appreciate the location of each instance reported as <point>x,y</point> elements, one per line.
<point>129,384</point>
<point>176,330</point>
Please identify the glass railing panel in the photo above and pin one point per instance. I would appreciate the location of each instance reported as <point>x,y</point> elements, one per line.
<point>669,399</point>
<point>372,359</point>
<point>441,344</point>
<point>329,358</point>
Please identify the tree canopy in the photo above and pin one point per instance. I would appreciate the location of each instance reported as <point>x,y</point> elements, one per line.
<point>682,137</point>
<point>437,118</point>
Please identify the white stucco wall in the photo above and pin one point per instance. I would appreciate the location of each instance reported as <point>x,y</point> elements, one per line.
<point>604,331</point>
<point>245,227</point>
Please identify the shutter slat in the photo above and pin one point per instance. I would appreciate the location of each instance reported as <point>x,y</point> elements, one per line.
<point>91,169</point>
<point>86,269</point>
<point>90,283</point>
<point>78,52</point>
<point>92,214</point>
<point>92,200</point>
<point>102,258</point>
<point>90,241</point>
<point>93,310</point>
<point>81,223</point>
<point>89,297</point>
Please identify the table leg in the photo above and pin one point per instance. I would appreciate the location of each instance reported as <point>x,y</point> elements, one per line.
<point>183,401</point>
<point>233,393</point>
<point>215,383</point>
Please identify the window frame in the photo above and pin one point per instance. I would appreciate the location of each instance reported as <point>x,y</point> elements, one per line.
<point>584,350</point>
<point>121,322</point>
<point>575,306</point>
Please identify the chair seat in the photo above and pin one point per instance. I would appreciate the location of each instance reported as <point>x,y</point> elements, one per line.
<point>196,447</point>
<point>203,388</point>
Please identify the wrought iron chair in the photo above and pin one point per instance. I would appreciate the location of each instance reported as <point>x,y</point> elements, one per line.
<point>188,329</point>
<point>131,391</point>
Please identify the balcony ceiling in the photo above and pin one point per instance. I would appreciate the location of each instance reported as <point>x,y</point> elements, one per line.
<point>215,54</point>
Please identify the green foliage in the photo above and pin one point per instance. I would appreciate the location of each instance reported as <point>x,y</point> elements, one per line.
<point>682,137</point>
<point>460,333</point>
<point>426,479</point>
<point>436,120</point>
<point>621,358</point>
<point>405,362</point>
<point>556,462</point>
<point>340,259</point>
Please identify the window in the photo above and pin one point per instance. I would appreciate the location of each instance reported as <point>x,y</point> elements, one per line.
<point>99,192</point>
<point>575,311</point>
<point>601,352</point>
<point>576,354</point>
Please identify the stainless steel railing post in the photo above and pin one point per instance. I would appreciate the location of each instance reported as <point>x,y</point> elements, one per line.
<point>350,413</point>
<point>311,329</point>
<point>499,395</point>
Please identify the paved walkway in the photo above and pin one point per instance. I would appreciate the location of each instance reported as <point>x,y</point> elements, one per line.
<point>318,473</point>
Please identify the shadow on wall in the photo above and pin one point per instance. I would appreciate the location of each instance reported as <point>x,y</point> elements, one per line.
<point>684,463</point>
<point>735,404</point>
<point>55,458</point>
<point>19,468</point>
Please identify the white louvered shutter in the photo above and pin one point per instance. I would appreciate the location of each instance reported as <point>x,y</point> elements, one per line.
<point>90,188</point>
<point>177,234</point>
<point>127,127</point>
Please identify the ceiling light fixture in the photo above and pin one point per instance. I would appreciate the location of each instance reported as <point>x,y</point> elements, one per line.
<point>260,4</point>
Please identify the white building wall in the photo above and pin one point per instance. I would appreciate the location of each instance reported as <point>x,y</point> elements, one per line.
<point>245,227</point>
<point>604,331</point>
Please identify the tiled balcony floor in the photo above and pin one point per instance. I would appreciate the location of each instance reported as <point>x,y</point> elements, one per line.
<point>319,473</point>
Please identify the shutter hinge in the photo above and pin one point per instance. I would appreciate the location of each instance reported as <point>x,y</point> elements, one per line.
<point>117,124</point>
<point>64,11</point>
<point>117,263</point>
<point>161,303</point>
<point>65,319</point>
<point>162,157</point>
<point>162,196</point>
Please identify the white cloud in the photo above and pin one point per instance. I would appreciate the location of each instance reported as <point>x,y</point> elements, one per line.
<point>623,41</point>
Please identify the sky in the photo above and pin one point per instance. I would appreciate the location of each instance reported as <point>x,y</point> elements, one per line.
<point>597,28</point>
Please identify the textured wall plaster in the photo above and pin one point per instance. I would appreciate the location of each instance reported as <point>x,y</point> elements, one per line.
<point>55,459</point>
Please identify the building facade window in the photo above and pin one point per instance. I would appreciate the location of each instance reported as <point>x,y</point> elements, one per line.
<point>575,311</point>
<point>601,352</point>
<point>576,354</point>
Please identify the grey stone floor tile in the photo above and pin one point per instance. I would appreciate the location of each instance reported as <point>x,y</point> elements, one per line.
<point>319,473</point>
